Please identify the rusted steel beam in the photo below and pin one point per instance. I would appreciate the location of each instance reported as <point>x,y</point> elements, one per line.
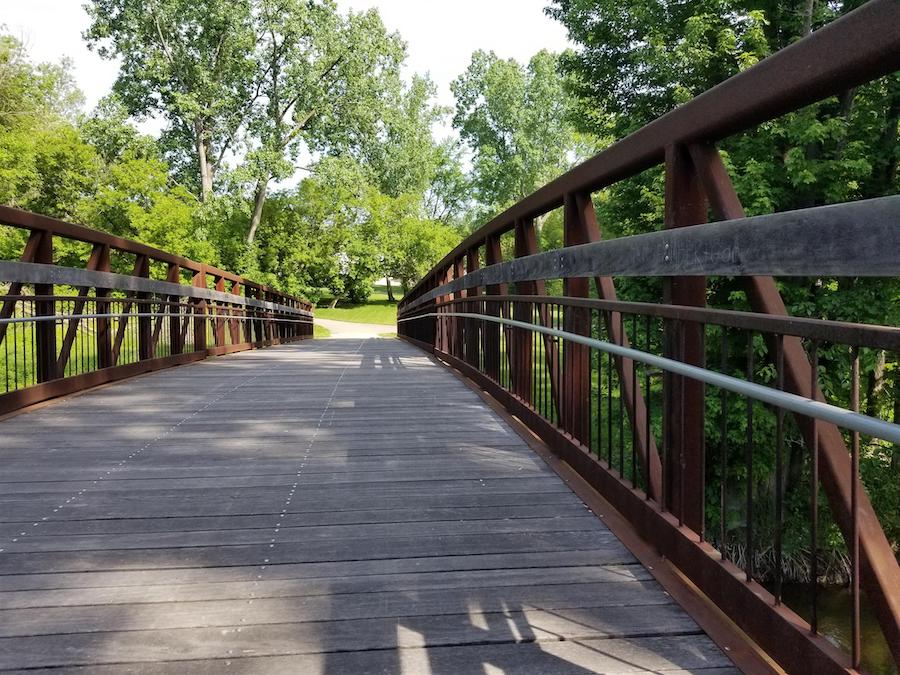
<point>576,375</point>
<point>685,398</point>
<point>104,334</point>
<point>235,324</point>
<point>522,356</point>
<point>881,574</point>
<point>473,330</point>
<point>807,71</point>
<point>15,288</point>
<point>200,307</point>
<point>145,325</point>
<point>45,331</point>
<point>219,334</point>
<point>94,260</point>
<point>490,334</point>
<point>176,343</point>
<point>456,325</point>
<point>526,244</point>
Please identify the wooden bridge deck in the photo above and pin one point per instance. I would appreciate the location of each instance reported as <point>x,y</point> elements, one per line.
<point>339,506</point>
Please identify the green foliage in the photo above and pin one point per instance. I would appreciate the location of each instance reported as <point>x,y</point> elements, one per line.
<point>514,119</point>
<point>370,208</point>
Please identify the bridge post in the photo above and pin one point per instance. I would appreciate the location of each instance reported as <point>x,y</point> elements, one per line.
<point>525,244</point>
<point>490,330</point>
<point>472,327</point>
<point>456,325</point>
<point>45,331</point>
<point>234,324</point>
<point>145,323</point>
<point>104,335</point>
<point>176,345</point>
<point>685,398</point>
<point>219,333</point>
<point>199,281</point>
<point>576,378</point>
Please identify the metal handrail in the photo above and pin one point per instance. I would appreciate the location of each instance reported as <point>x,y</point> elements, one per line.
<point>798,404</point>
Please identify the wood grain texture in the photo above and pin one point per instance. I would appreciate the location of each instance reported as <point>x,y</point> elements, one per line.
<point>332,507</point>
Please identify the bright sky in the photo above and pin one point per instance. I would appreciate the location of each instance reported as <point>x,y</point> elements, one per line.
<point>441,35</point>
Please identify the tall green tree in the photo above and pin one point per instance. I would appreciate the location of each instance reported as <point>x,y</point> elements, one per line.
<point>323,80</point>
<point>255,83</point>
<point>515,121</point>
<point>192,63</point>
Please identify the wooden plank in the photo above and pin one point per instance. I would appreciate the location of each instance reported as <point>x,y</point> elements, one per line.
<point>226,536</point>
<point>673,655</point>
<point>105,618</point>
<point>287,587</point>
<point>350,635</point>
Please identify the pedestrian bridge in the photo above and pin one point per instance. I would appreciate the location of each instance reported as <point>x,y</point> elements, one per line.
<point>537,477</point>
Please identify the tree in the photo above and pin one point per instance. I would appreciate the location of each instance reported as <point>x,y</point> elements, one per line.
<point>190,62</point>
<point>637,59</point>
<point>45,165</point>
<point>323,83</point>
<point>515,121</point>
<point>134,195</point>
<point>255,81</point>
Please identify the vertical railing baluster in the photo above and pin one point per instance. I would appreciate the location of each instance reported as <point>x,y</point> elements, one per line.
<point>854,514</point>
<point>649,417</point>
<point>748,565</point>
<point>779,468</point>
<point>610,365</point>
<point>814,492</point>
<point>621,390</point>
<point>723,445</point>
<point>634,434</point>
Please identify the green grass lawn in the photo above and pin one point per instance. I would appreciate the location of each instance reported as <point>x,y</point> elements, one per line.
<point>320,331</point>
<point>378,309</point>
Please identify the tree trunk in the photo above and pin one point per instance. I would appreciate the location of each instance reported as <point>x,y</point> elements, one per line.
<point>874,385</point>
<point>390,292</point>
<point>807,17</point>
<point>206,170</point>
<point>258,202</point>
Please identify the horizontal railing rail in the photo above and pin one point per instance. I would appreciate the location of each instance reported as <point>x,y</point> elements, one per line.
<point>584,372</point>
<point>809,407</point>
<point>857,239</point>
<point>34,273</point>
<point>64,328</point>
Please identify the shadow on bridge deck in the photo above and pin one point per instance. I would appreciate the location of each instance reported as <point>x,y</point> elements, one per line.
<point>342,506</point>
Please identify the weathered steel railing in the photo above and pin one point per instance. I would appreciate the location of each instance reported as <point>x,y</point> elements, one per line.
<point>63,329</point>
<point>622,390</point>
